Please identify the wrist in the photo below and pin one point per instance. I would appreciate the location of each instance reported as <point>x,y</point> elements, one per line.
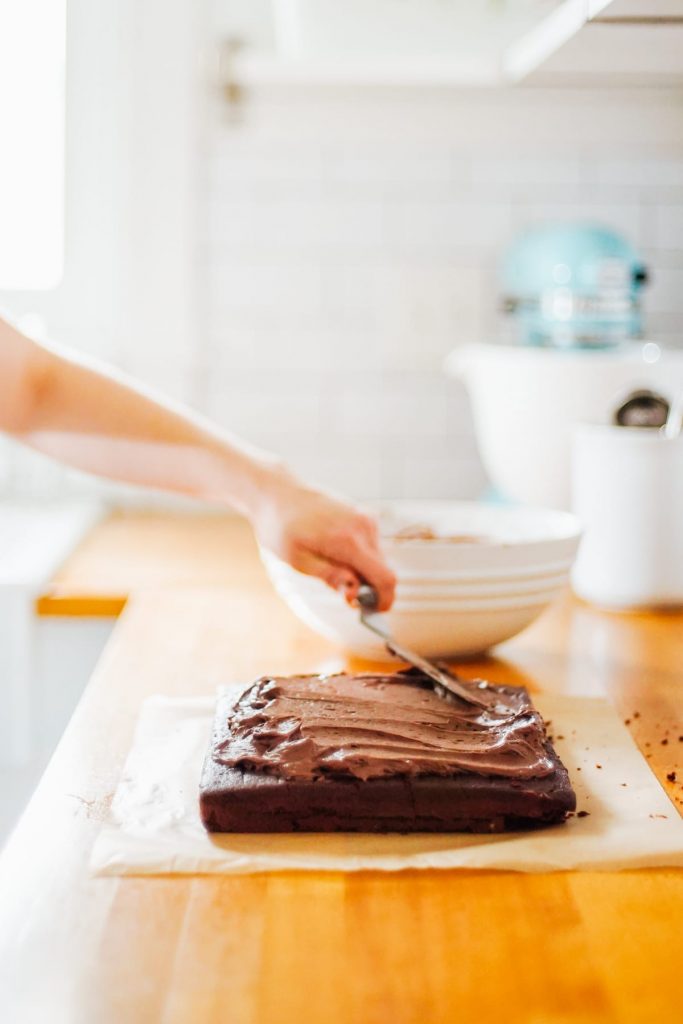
<point>274,488</point>
<point>252,481</point>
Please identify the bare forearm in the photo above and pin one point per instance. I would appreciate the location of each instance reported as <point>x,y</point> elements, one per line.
<point>93,419</point>
<point>96,421</point>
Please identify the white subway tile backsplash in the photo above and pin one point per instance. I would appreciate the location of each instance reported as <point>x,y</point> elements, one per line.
<point>232,163</point>
<point>456,447</point>
<point>417,303</point>
<point>429,477</point>
<point>653,171</point>
<point>449,225</point>
<point>266,422</point>
<point>264,404</point>
<point>96,340</point>
<point>323,348</point>
<point>171,376</point>
<point>396,172</point>
<point>667,259</point>
<point>416,352</point>
<point>664,291</point>
<point>665,328</point>
<point>30,473</point>
<point>358,477</point>
<point>257,293</point>
<point>349,296</point>
<point>502,169</point>
<point>390,381</point>
<point>625,218</point>
<point>460,420</point>
<point>385,474</point>
<point>297,223</point>
<point>400,406</point>
<point>387,415</point>
<point>601,121</point>
<point>666,227</point>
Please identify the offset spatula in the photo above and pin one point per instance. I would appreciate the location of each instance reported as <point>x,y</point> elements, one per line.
<point>367,601</point>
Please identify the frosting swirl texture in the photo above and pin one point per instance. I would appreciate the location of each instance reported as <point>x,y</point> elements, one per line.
<point>374,726</point>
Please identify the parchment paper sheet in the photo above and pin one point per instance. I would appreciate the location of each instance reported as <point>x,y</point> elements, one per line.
<point>154,826</point>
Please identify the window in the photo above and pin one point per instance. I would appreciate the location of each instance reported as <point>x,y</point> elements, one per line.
<point>32,99</point>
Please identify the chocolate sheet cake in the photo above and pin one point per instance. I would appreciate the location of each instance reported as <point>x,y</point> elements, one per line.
<point>379,753</point>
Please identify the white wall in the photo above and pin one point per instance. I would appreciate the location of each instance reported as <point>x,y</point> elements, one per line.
<point>345,239</point>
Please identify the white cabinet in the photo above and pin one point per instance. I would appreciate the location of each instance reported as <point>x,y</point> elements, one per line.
<point>451,42</point>
<point>34,541</point>
<point>384,42</point>
<point>612,42</point>
<point>45,689</point>
<point>45,662</point>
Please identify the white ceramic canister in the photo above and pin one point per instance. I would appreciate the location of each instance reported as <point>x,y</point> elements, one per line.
<point>627,490</point>
<point>528,401</point>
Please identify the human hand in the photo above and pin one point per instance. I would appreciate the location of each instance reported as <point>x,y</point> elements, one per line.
<point>323,536</point>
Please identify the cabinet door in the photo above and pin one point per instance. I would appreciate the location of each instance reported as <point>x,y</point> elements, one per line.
<point>612,42</point>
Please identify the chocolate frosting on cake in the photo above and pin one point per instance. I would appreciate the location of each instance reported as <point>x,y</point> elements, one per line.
<point>374,726</point>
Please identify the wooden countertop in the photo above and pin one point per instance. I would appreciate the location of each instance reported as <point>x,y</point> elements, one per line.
<point>131,551</point>
<point>405,948</point>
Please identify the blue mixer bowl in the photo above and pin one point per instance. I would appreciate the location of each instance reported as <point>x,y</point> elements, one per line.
<point>572,285</point>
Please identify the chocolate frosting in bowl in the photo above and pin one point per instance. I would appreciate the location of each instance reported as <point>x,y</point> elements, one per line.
<point>374,726</point>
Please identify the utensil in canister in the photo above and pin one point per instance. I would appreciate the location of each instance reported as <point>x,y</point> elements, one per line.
<point>367,601</point>
<point>642,408</point>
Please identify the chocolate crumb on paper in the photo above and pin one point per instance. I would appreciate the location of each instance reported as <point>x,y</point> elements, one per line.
<point>582,814</point>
